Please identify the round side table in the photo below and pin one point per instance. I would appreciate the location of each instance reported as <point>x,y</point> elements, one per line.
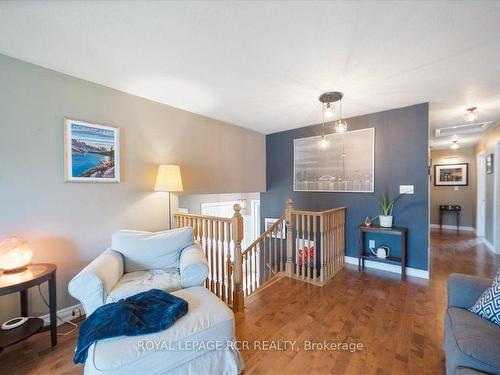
<point>35,274</point>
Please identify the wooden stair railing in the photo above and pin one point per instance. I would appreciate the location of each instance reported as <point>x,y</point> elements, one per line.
<point>305,231</point>
<point>220,239</point>
<point>265,258</point>
<point>287,248</point>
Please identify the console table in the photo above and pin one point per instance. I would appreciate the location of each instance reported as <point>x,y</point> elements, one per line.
<point>449,208</point>
<point>34,275</point>
<point>400,261</point>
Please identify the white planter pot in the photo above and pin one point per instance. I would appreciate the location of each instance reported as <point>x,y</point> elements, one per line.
<point>385,221</point>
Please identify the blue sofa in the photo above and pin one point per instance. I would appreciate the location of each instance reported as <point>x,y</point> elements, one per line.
<point>471,343</point>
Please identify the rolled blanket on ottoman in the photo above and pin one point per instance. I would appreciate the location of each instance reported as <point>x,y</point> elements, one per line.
<point>143,313</point>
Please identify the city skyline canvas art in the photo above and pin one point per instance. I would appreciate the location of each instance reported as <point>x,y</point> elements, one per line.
<point>346,164</point>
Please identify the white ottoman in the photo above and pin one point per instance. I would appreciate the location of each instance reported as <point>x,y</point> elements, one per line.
<point>201,342</point>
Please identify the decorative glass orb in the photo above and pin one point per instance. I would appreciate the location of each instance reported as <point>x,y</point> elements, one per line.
<point>328,111</point>
<point>340,126</point>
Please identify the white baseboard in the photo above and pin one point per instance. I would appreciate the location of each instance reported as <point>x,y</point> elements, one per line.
<point>65,314</point>
<point>489,245</point>
<point>389,267</point>
<point>454,227</point>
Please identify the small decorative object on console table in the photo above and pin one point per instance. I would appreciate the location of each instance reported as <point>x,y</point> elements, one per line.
<point>33,275</point>
<point>449,208</point>
<point>362,255</point>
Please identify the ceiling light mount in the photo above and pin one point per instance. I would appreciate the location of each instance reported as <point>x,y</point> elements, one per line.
<point>331,97</point>
<point>471,114</point>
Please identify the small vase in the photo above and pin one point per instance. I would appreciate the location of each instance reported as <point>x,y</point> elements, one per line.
<point>385,221</point>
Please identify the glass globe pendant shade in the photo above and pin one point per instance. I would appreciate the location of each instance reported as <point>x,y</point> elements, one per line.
<point>323,143</point>
<point>15,254</point>
<point>328,111</point>
<point>340,126</point>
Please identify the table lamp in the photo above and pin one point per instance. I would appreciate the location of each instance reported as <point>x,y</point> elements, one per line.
<point>169,179</point>
<point>15,255</point>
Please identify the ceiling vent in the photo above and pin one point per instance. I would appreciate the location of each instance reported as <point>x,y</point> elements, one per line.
<point>449,131</point>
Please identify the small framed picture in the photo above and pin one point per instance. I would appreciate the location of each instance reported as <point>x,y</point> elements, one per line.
<point>451,174</point>
<point>280,231</point>
<point>489,164</point>
<point>91,152</point>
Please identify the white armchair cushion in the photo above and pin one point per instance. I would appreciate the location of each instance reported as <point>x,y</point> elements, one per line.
<point>141,281</point>
<point>151,250</point>
<point>92,284</point>
<point>193,266</point>
<point>207,322</point>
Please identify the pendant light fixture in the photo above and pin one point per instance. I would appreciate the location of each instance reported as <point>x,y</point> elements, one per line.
<point>471,114</point>
<point>328,100</point>
<point>455,145</point>
<point>340,125</point>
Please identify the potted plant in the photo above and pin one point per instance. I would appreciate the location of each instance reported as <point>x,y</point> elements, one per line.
<point>387,206</point>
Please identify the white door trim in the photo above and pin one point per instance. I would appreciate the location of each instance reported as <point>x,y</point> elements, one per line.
<point>496,197</point>
<point>255,219</point>
<point>481,194</point>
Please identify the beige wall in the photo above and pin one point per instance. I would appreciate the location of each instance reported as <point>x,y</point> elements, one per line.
<point>464,196</point>
<point>487,144</point>
<point>69,223</point>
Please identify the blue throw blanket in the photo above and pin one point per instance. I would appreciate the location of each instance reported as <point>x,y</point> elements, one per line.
<point>143,313</point>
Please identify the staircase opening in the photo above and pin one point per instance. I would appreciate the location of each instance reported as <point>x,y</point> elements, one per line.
<point>305,245</point>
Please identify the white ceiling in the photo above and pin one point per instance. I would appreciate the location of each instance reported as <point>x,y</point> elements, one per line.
<point>262,65</point>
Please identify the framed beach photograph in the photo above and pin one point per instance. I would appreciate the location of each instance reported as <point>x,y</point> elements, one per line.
<point>91,152</point>
<point>451,174</point>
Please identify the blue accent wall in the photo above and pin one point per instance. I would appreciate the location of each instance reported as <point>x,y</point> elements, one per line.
<point>401,158</point>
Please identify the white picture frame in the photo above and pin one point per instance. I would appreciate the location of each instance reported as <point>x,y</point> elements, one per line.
<point>280,232</point>
<point>91,152</point>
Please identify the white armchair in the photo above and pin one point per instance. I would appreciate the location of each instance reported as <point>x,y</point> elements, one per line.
<point>139,261</point>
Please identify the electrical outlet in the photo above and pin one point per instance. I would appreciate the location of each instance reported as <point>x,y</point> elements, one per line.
<point>371,244</point>
<point>76,312</point>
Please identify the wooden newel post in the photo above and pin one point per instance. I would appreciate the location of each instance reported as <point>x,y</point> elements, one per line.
<point>289,237</point>
<point>237,234</point>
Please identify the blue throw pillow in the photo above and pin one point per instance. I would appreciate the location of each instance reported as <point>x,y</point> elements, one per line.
<point>488,305</point>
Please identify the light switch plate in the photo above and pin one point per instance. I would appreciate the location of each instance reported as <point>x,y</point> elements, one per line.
<point>456,188</point>
<point>371,244</point>
<point>406,189</point>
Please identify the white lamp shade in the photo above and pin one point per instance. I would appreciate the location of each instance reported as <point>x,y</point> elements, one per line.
<point>169,179</point>
<point>14,254</point>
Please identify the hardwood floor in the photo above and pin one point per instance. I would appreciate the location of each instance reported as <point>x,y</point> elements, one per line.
<point>399,324</point>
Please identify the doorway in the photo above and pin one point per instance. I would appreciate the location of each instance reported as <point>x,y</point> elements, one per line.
<point>481,194</point>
